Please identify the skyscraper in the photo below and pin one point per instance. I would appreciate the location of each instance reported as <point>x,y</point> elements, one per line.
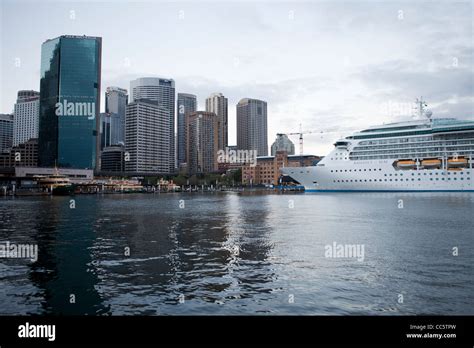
<point>161,91</point>
<point>187,103</point>
<point>147,137</point>
<point>6,132</point>
<point>283,143</point>
<point>217,104</point>
<point>252,126</point>
<point>70,101</point>
<point>26,117</point>
<point>116,100</point>
<point>110,129</point>
<point>201,138</point>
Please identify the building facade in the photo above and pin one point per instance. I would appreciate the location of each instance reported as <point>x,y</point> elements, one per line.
<point>6,132</point>
<point>252,126</point>
<point>25,117</point>
<point>283,143</point>
<point>147,138</point>
<point>187,103</point>
<point>161,91</point>
<point>267,170</point>
<point>202,142</point>
<point>113,159</point>
<point>116,100</point>
<point>69,102</point>
<point>111,128</point>
<point>217,104</point>
<point>74,175</point>
<point>24,155</point>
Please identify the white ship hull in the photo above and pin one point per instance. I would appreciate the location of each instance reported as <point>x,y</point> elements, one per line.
<point>421,155</point>
<point>382,177</point>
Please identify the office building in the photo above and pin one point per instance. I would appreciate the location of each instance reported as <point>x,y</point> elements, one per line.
<point>25,117</point>
<point>6,132</point>
<point>187,104</point>
<point>113,159</point>
<point>110,130</point>
<point>24,155</point>
<point>69,102</point>
<point>217,104</point>
<point>147,138</point>
<point>161,91</point>
<point>252,126</point>
<point>116,100</point>
<point>201,136</point>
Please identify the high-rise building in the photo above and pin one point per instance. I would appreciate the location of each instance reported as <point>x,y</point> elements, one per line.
<point>70,101</point>
<point>25,117</point>
<point>201,139</point>
<point>162,91</point>
<point>147,137</point>
<point>6,132</point>
<point>116,100</point>
<point>217,104</point>
<point>252,126</point>
<point>110,130</point>
<point>283,143</point>
<point>187,103</point>
<point>24,95</point>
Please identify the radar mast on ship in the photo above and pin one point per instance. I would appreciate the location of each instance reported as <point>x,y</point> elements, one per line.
<point>421,108</point>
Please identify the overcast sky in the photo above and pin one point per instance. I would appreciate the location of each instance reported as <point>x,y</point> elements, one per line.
<point>336,67</point>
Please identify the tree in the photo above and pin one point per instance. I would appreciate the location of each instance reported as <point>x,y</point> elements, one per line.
<point>180,180</point>
<point>237,176</point>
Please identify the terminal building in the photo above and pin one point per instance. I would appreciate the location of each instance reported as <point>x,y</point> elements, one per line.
<point>267,169</point>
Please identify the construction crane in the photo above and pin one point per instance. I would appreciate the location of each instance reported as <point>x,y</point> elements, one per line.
<point>300,133</point>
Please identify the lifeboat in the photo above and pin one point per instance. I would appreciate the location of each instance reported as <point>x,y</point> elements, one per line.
<point>457,162</point>
<point>431,163</point>
<point>406,164</point>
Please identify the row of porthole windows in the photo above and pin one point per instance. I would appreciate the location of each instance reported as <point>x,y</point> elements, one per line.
<point>425,173</point>
<point>442,173</point>
<point>360,170</point>
<point>382,180</point>
<point>354,170</point>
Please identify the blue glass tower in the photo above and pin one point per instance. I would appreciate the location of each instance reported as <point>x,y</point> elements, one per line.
<point>70,102</point>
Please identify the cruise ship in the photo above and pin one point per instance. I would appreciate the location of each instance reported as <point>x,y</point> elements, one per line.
<point>427,154</point>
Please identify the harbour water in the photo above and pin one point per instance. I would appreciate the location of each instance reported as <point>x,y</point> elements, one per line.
<point>240,253</point>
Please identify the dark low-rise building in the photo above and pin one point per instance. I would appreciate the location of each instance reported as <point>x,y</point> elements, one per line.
<point>113,159</point>
<point>22,155</point>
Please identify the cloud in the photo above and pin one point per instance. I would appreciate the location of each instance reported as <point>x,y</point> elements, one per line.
<point>331,66</point>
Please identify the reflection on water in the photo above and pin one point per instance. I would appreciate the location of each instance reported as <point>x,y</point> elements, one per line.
<point>229,253</point>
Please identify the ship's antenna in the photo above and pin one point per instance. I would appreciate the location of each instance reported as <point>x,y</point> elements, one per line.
<point>420,106</point>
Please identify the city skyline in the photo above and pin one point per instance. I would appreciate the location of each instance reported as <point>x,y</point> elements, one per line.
<point>297,60</point>
<point>188,166</point>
